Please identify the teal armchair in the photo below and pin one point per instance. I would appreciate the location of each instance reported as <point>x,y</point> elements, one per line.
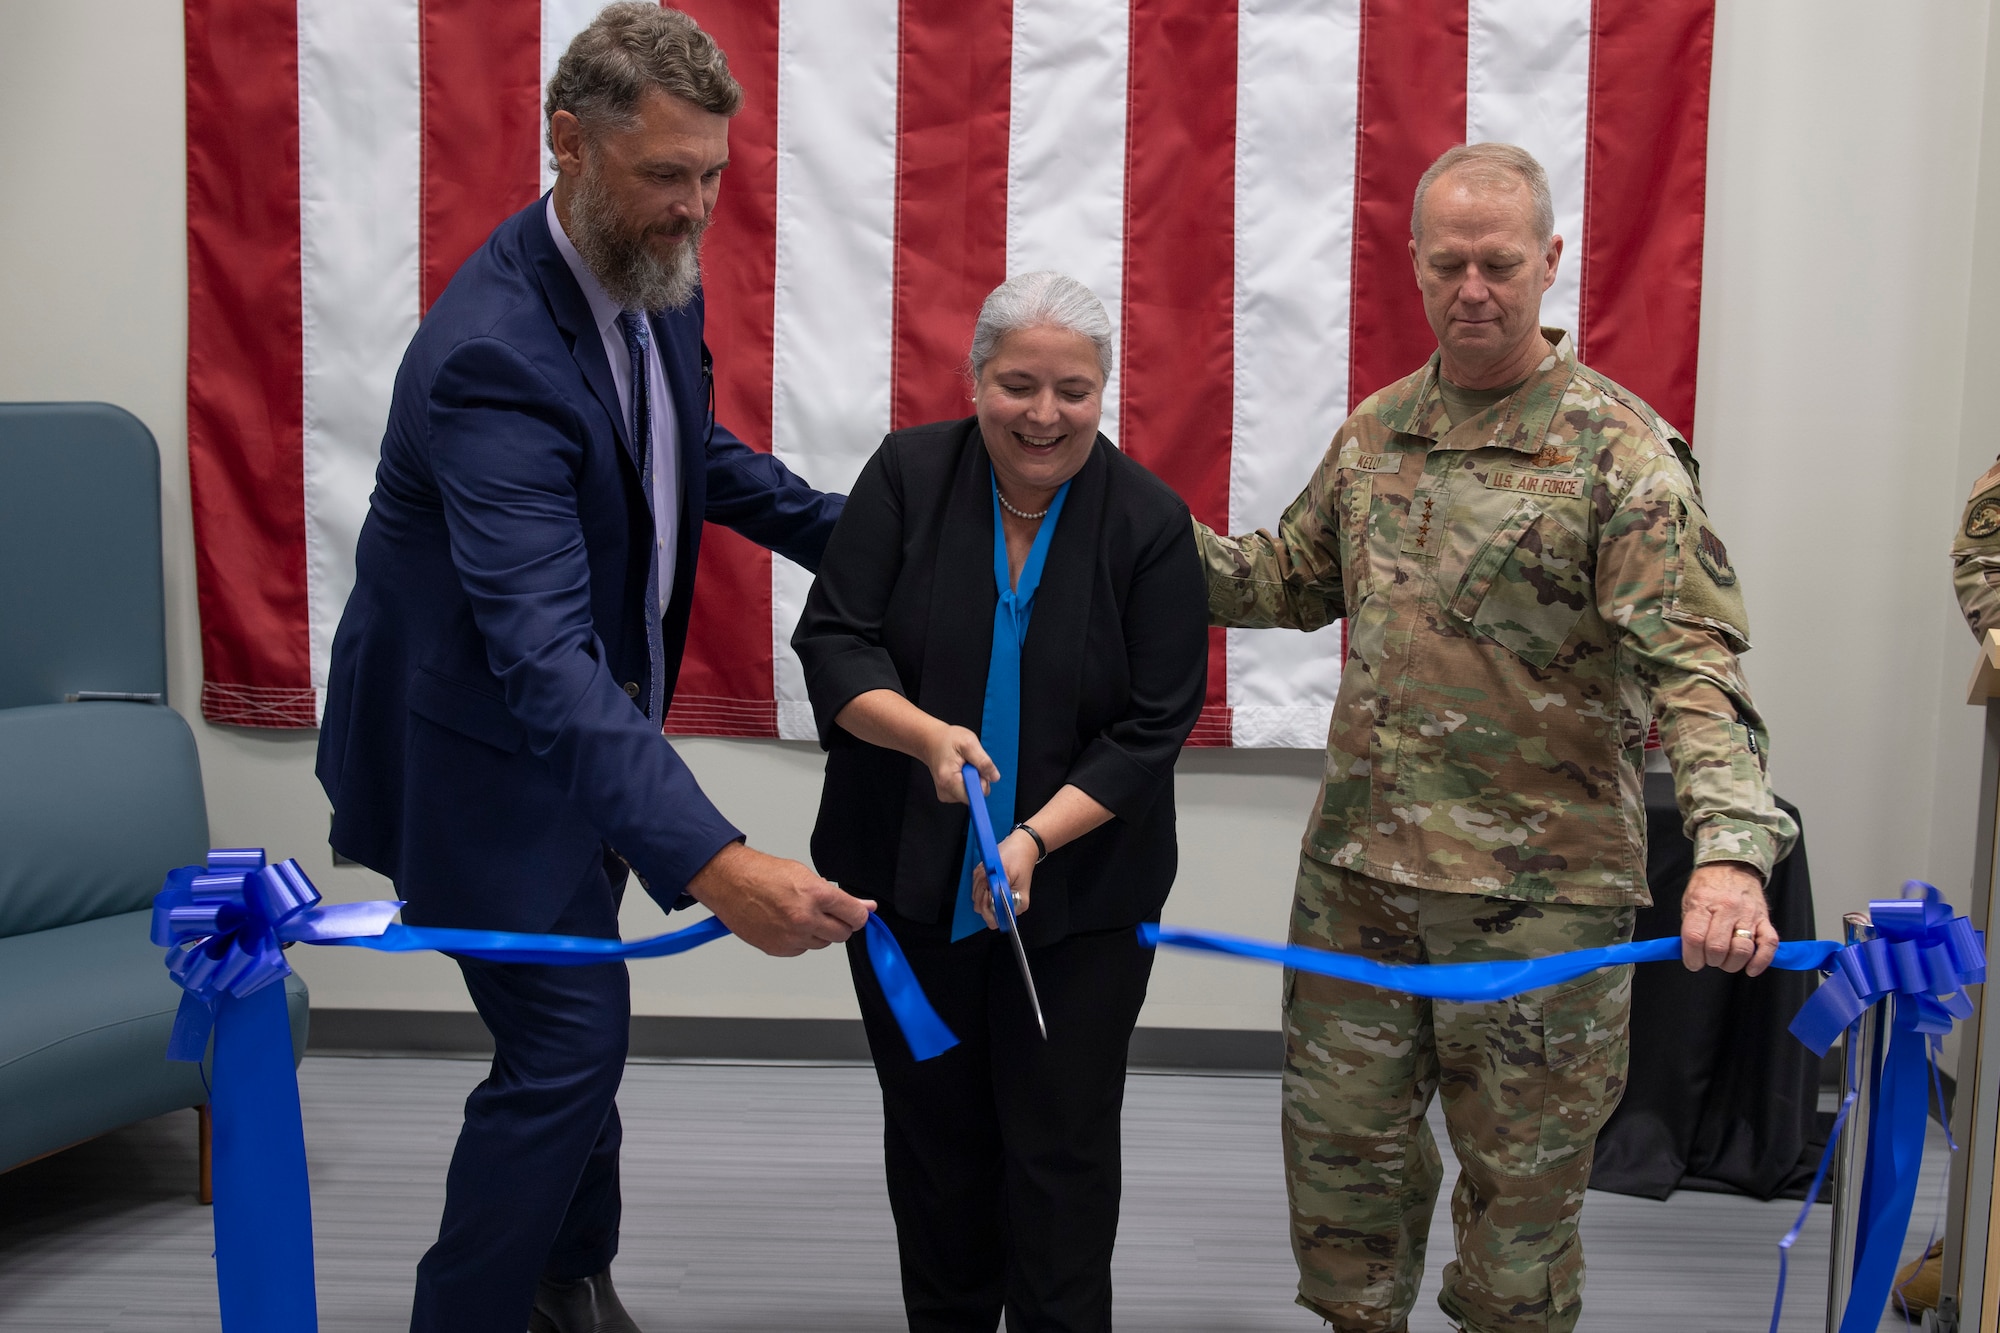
<point>100,787</point>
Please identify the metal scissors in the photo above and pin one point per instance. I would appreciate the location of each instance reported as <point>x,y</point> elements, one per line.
<point>996,880</point>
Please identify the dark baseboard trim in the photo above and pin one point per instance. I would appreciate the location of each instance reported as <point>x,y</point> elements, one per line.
<point>1230,1050</point>
<point>821,1040</point>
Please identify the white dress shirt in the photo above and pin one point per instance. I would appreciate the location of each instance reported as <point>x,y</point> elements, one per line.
<point>665,444</point>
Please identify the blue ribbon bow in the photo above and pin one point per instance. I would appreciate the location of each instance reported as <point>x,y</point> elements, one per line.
<point>1923,953</point>
<point>225,925</point>
<point>1922,957</point>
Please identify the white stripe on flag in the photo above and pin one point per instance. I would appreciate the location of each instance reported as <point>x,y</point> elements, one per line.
<point>1527,82</point>
<point>1066,150</point>
<point>360,175</point>
<point>832,317</point>
<point>1298,72</point>
<point>562,20</point>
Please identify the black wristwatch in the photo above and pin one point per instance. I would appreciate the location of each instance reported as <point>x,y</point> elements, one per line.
<point>1041,846</point>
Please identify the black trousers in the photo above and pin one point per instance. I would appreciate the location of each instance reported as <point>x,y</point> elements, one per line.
<point>533,1184</point>
<point>1003,1153</point>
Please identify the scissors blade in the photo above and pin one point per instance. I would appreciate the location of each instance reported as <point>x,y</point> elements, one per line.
<point>1003,893</point>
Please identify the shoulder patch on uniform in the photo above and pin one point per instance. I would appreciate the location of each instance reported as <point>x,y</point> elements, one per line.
<point>1714,556</point>
<point>1705,589</point>
<point>1983,519</point>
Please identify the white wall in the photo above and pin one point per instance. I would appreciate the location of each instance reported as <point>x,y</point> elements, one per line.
<point>1847,356</point>
<point>1844,157</point>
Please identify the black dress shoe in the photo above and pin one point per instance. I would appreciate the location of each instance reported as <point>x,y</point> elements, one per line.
<point>587,1305</point>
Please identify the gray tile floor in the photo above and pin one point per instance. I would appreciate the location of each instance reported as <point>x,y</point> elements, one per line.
<point>754,1201</point>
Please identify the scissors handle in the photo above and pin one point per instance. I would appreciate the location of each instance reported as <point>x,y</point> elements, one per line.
<point>989,848</point>
<point>1003,893</point>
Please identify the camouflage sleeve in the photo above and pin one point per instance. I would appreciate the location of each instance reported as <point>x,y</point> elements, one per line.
<point>1665,578</point>
<point>1975,555</point>
<point>1288,581</point>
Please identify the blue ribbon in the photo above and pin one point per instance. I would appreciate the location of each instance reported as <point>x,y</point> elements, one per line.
<point>1923,956</point>
<point>922,1028</point>
<point>225,927</point>
<point>1471,983</point>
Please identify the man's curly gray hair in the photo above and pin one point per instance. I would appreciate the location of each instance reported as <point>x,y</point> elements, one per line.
<point>1042,299</point>
<point>629,48</point>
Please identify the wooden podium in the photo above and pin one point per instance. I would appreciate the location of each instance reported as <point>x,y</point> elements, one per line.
<point>1970,1297</point>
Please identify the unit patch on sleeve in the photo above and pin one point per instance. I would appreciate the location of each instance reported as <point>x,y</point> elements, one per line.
<point>1714,556</point>
<point>1705,589</point>
<point>1984,518</point>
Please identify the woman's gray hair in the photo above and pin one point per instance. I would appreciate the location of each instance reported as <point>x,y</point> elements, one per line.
<point>629,48</point>
<point>1491,164</point>
<point>1042,299</point>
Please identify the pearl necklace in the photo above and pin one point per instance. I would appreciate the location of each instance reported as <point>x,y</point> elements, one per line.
<point>1017,513</point>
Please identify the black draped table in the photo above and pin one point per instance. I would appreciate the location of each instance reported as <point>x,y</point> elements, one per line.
<point>1720,1097</point>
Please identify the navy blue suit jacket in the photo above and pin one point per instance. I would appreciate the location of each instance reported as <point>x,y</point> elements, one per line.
<point>484,738</point>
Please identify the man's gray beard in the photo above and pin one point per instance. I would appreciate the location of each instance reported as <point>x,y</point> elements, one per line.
<point>632,275</point>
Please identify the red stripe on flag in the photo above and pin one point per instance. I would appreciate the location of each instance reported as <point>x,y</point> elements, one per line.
<point>1645,197</point>
<point>482,74</point>
<point>954,75</point>
<point>727,684</point>
<point>246,471</point>
<point>1412,108</point>
<point>1177,380</point>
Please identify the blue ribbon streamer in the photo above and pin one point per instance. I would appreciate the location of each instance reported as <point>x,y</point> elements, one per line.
<point>1791,1237</point>
<point>225,927</point>
<point>1922,957</point>
<point>1470,983</point>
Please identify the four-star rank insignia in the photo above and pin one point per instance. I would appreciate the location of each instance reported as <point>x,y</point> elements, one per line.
<point>1714,556</point>
<point>1984,520</point>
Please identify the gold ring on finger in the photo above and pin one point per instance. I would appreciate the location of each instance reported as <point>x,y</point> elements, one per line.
<point>1745,934</point>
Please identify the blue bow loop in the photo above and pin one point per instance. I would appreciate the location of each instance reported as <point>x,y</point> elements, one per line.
<point>280,892</point>
<point>1923,953</point>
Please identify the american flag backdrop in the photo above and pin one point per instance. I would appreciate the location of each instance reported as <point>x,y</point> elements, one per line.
<point>1232,177</point>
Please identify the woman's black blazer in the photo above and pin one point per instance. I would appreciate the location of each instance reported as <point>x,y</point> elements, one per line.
<point>1113,672</point>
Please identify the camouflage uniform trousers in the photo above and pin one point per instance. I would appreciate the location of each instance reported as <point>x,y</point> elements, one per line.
<point>1527,1083</point>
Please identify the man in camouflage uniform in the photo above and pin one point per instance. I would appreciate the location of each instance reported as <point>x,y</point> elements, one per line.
<point>1975,555</point>
<point>1520,548</point>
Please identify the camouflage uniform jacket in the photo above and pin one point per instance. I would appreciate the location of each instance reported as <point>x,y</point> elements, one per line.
<point>1525,590</point>
<point>1975,555</point>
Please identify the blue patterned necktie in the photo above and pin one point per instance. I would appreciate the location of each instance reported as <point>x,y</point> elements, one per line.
<point>638,337</point>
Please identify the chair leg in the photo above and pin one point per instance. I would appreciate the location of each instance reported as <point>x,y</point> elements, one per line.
<point>204,1140</point>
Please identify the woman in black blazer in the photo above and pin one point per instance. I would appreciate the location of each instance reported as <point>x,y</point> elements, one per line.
<point>1003,1154</point>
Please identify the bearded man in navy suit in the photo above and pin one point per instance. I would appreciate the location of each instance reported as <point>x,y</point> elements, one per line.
<point>492,737</point>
